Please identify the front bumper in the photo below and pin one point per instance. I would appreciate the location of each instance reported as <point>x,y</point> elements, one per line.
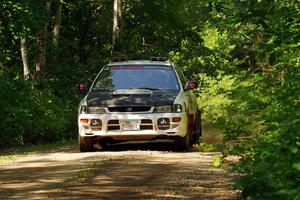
<point>149,127</point>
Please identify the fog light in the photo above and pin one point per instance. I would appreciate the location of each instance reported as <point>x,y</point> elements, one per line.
<point>84,121</point>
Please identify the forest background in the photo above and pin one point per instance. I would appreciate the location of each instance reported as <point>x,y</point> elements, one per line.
<point>244,53</point>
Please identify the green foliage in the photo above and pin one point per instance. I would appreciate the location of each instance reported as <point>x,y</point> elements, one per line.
<point>215,98</point>
<point>204,147</point>
<point>245,55</point>
<point>31,115</point>
<point>263,112</point>
<point>217,160</point>
<point>269,111</point>
<point>273,166</point>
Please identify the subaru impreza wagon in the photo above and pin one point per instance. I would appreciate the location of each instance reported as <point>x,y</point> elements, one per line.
<point>139,100</point>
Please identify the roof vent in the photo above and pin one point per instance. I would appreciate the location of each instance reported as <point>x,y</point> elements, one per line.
<point>161,59</point>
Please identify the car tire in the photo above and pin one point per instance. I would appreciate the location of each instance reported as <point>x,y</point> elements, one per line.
<point>197,135</point>
<point>85,144</point>
<point>183,144</point>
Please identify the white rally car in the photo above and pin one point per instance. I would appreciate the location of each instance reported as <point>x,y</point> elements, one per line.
<point>139,100</point>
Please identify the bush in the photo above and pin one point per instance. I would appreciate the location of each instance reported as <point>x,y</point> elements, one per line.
<point>266,110</point>
<point>31,114</point>
<point>273,167</point>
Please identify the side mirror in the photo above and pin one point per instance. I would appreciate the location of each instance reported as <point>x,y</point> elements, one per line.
<point>82,87</point>
<point>191,85</point>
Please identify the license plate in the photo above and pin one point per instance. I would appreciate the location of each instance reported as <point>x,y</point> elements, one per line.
<point>130,125</point>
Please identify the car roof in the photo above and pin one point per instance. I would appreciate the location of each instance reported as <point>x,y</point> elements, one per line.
<point>141,62</point>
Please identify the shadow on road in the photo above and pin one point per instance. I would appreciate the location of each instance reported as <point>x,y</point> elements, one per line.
<point>143,146</point>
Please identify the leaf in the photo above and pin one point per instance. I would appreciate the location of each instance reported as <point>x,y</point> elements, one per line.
<point>217,160</point>
<point>297,166</point>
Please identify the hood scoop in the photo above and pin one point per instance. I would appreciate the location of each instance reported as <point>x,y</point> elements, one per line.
<point>132,92</point>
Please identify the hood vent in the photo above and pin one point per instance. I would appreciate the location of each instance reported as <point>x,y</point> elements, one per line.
<point>133,91</point>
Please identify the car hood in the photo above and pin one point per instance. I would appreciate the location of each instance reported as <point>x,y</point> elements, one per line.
<point>109,98</point>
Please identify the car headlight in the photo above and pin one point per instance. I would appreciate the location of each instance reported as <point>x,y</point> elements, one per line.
<point>96,110</point>
<point>91,110</point>
<point>177,108</point>
<point>168,108</point>
<point>83,109</point>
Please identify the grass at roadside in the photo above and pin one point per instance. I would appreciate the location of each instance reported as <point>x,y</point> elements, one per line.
<point>211,140</point>
<point>16,152</point>
<point>204,147</point>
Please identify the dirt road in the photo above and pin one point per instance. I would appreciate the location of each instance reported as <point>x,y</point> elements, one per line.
<point>126,171</point>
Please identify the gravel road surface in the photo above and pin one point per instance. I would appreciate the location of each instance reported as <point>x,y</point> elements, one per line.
<point>124,171</point>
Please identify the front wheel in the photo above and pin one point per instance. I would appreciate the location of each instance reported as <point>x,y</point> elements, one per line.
<point>198,133</point>
<point>183,144</point>
<point>85,144</point>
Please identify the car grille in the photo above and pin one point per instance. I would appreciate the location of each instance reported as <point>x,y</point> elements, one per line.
<point>146,124</point>
<point>129,108</point>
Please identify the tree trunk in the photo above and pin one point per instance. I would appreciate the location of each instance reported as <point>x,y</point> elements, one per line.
<point>116,37</point>
<point>41,54</point>
<point>41,45</point>
<point>57,22</point>
<point>24,55</point>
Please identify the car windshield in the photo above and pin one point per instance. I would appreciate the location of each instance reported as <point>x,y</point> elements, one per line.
<point>137,77</point>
